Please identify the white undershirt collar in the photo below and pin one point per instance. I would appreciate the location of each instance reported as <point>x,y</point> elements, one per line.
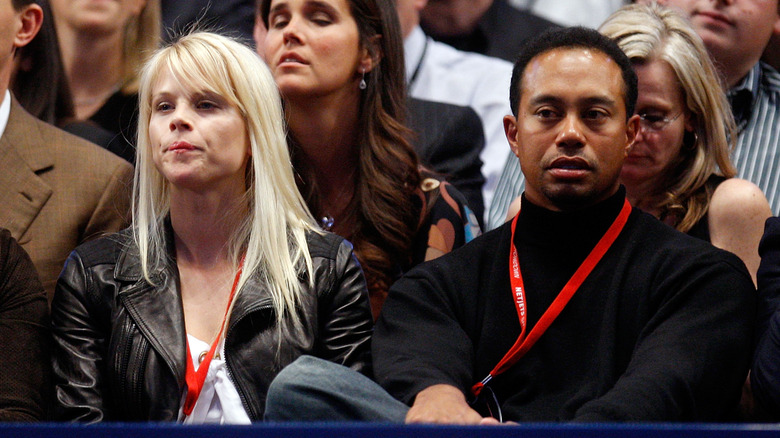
<point>5,111</point>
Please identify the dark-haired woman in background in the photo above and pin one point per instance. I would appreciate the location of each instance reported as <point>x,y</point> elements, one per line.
<point>41,87</point>
<point>339,66</point>
<point>103,45</point>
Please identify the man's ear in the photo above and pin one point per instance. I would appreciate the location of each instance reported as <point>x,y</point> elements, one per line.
<point>510,130</point>
<point>30,20</point>
<point>632,129</point>
<point>372,54</point>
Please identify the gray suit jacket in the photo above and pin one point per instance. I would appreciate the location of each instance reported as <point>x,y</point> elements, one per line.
<point>57,191</point>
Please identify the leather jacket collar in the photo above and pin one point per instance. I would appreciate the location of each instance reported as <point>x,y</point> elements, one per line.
<point>145,303</point>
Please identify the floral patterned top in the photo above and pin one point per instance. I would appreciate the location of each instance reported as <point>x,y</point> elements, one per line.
<point>446,223</point>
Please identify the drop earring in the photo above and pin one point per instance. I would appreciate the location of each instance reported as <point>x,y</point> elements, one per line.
<point>690,139</point>
<point>362,84</point>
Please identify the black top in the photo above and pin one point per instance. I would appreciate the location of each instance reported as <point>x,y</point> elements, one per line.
<point>119,116</point>
<point>660,330</point>
<point>701,229</point>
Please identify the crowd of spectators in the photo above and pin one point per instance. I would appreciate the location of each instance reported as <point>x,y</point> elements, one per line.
<point>208,205</point>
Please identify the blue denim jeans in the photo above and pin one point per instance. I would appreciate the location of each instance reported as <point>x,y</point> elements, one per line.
<point>312,389</point>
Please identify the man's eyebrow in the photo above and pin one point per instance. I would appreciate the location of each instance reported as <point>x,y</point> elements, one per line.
<point>588,101</point>
<point>599,100</point>
<point>545,98</point>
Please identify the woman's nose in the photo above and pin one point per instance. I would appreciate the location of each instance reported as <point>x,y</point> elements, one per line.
<point>180,120</point>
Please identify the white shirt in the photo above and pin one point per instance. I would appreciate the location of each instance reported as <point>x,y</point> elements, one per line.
<point>440,73</point>
<point>5,111</point>
<point>589,13</point>
<point>219,402</point>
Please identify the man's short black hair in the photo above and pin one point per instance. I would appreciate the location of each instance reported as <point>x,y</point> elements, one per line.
<point>19,4</point>
<point>573,37</point>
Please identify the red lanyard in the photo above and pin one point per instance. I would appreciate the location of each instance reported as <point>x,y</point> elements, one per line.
<point>523,343</point>
<point>194,378</point>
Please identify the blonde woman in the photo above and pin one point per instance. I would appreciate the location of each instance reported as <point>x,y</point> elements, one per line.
<point>679,169</point>
<point>103,45</point>
<point>222,278</point>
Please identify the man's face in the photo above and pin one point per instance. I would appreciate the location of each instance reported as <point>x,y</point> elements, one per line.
<point>9,25</point>
<point>571,133</point>
<point>409,14</point>
<point>17,29</point>
<point>453,17</point>
<point>735,32</point>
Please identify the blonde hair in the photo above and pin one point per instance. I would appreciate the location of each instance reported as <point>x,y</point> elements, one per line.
<point>273,232</point>
<point>652,32</point>
<point>141,38</point>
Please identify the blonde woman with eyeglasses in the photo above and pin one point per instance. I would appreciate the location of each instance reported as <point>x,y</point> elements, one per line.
<point>678,168</point>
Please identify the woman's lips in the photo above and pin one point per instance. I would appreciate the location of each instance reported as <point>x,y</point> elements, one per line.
<point>180,146</point>
<point>291,58</point>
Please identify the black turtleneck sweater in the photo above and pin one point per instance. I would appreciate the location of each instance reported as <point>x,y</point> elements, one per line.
<point>660,330</point>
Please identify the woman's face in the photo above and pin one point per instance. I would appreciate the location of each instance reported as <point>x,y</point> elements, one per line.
<point>665,119</point>
<point>198,139</point>
<point>313,48</point>
<point>96,16</point>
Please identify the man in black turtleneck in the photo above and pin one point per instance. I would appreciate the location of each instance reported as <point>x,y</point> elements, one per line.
<point>657,327</point>
<point>659,331</point>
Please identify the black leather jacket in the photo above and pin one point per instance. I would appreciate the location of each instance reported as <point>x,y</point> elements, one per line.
<point>120,344</point>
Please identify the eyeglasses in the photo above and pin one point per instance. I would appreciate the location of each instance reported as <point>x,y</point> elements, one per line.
<point>653,122</point>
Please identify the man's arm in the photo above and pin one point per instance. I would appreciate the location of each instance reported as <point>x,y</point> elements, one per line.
<point>421,353</point>
<point>25,368</point>
<point>765,373</point>
<point>691,357</point>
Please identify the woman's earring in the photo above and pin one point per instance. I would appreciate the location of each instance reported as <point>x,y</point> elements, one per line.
<point>362,84</point>
<point>690,139</point>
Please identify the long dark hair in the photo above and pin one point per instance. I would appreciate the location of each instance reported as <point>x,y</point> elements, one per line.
<point>40,84</point>
<point>386,218</point>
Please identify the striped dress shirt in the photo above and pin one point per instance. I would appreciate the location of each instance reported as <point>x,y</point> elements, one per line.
<point>755,101</point>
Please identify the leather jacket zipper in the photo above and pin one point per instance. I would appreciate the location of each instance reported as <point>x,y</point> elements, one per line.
<point>251,410</point>
<point>138,373</point>
<point>128,348</point>
<point>131,370</point>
